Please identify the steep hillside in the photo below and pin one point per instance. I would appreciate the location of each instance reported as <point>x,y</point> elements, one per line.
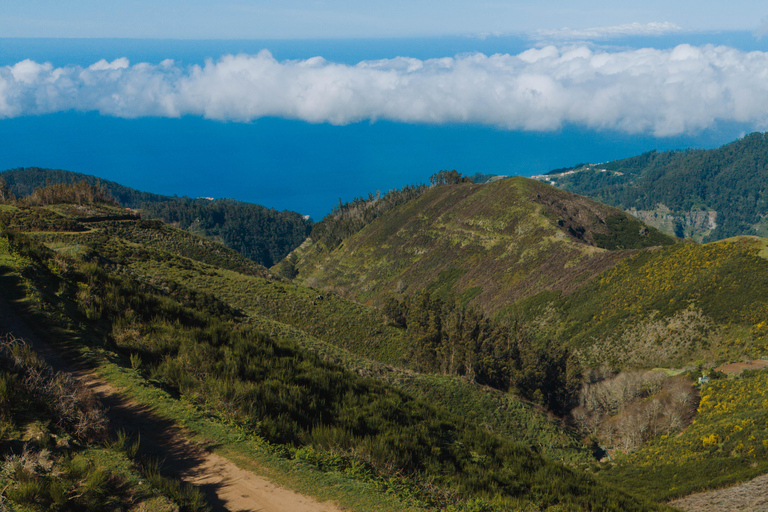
<point>573,273</point>
<point>666,307</point>
<point>489,245</point>
<point>260,234</point>
<point>269,392</point>
<point>704,194</point>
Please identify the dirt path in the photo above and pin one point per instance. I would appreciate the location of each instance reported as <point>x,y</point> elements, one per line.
<point>750,496</point>
<point>227,487</point>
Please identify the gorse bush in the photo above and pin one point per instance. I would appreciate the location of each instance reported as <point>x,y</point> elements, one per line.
<point>725,444</point>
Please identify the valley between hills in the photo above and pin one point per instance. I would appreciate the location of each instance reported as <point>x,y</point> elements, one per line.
<point>457,346</point>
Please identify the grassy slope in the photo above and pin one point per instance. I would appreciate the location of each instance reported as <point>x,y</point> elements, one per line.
<point>667,307</point>
<point>489,244</point>
<point>553,470</point>
<point>522,248</point>
<point>343,331</point>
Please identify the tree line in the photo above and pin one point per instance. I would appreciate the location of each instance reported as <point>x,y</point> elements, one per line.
<point>446,337</point>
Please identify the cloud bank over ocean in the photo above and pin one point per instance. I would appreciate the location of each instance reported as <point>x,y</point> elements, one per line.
<point>661,92</point>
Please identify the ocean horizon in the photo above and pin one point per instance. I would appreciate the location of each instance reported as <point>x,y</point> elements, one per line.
<point>299,165</point>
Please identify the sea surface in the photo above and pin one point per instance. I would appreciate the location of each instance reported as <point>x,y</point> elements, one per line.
<point>309,168</point>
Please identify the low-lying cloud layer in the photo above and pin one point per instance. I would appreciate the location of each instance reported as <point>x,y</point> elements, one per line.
<point>663,92</point>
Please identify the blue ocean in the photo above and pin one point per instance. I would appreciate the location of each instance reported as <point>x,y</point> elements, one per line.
<point>287,164</point>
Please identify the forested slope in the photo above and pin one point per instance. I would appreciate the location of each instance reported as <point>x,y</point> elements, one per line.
<point>261,234</point>
<point>707,194</point>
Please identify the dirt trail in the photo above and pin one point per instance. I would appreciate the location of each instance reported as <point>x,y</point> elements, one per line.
<point>227,487</point>
<point>750,496</point>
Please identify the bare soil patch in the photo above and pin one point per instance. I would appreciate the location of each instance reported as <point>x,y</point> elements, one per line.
<point>758,364</point>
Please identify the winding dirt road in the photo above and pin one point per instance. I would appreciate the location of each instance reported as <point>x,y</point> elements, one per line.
<point>226,486</point>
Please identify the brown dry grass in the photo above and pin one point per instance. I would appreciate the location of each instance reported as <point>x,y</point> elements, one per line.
<point>751,496</point>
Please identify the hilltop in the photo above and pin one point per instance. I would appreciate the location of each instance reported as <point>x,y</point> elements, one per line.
<point>707,195</point>
<point>574,273</point>
<point>489,245</point>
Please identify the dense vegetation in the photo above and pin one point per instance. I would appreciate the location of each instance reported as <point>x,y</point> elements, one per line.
<point>55,449</point>
<point>594,292</point>
<point>490,245</point>
<point>261,234</point>
<point>725,444</point>
<point>730,180</point>
<point>445,337</point>
<point>666,307</point>
<point>317,411</point>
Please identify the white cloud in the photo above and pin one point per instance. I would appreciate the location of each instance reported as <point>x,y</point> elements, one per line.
<point>102,65</point>
<point>762,30</point>
<point>663,92</point>
<point>591,34</point>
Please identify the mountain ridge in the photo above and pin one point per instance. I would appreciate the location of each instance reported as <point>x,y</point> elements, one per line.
<point>491,244</point>
<point>669,189</point>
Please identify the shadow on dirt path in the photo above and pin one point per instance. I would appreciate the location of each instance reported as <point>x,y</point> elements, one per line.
<point>226,486</point>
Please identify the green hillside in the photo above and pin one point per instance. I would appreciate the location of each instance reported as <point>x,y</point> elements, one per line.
<point>502,304</point>
<point>666,307</point>
<point>91,292</point>
<point>260,234</point>
<point>705,194</point>
<point>489,245</point>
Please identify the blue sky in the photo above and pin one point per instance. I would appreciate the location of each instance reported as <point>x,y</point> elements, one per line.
<point>266,19</point>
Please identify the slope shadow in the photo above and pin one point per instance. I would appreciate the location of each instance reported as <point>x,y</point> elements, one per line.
<point>159,438</point>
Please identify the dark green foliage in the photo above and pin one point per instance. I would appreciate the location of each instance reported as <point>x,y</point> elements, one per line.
<point>261,234</point>
<point>445,337</point>
<point>730,180</point>
<point>448,178</point>
<point>626,232</point>
<point>295,399</point>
